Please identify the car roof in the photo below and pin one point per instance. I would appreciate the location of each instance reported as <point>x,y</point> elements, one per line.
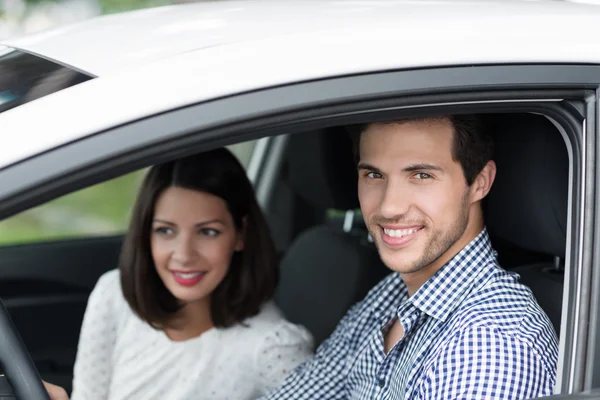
<point>151,61</point>
<point>111,42</point>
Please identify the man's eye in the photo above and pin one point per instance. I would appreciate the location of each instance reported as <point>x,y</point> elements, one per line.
<point>374,175</point>
<point>422,176</point>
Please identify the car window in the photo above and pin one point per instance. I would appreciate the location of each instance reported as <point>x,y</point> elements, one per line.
<point>25,77</point>
<point>99,210</point>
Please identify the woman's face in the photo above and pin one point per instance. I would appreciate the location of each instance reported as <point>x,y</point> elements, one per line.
<point>193,239</point>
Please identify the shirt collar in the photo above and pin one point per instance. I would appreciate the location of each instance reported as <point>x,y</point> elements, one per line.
<point>446,289</point>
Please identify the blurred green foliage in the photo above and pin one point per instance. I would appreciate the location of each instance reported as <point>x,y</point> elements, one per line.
<point>112,6</point>
<point>102,209</point>
<point>98,210</point>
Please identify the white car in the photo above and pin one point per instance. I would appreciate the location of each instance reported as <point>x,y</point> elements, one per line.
<point>277,80</point>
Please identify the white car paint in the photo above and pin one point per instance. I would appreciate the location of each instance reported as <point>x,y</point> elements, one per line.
<point>157,60</point>
<point>111,42</point>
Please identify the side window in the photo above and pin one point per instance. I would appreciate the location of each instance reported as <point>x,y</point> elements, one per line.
<point>99,210</point>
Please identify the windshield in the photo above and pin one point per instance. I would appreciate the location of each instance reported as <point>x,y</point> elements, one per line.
<point>25,77</point>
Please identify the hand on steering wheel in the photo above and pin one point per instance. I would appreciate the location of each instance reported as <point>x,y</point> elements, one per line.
<point>56,392</point>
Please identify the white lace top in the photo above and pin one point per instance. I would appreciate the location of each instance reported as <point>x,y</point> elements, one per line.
<point>121,357</point>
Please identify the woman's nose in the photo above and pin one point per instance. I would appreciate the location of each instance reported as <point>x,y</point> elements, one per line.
<point>185,251</point>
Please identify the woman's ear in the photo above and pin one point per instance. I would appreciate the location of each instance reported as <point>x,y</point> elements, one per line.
<point>241,236</point>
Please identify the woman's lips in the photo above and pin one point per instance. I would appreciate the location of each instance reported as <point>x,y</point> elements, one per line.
<point>188,278</point>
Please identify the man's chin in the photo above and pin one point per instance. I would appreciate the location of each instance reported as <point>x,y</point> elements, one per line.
<point>401,263</point>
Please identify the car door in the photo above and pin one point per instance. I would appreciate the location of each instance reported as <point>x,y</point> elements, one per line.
<point>562,93</point>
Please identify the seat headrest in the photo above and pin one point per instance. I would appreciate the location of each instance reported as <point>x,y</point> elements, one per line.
<point>527,205</point>
<point>322,169</point>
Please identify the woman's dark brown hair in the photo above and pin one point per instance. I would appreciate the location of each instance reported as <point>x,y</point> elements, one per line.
<point>253,274</point>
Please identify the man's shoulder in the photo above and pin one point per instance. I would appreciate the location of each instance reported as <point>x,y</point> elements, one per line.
<point>508,308</point>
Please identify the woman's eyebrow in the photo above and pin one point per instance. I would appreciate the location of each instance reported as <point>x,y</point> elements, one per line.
<point>202,223</point>
<point>162,221</point>
<point>211,221</point>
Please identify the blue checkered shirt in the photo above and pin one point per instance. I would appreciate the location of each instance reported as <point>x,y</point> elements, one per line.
<point>471,332</point>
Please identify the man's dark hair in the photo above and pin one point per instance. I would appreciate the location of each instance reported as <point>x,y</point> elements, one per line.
<point>472,146</point>
<point>253,273</point>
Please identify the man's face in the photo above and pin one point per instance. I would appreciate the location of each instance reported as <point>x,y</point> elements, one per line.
<point>413,195</point>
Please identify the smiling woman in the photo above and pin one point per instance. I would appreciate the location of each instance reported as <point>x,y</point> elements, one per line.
<point>198,214</point>
<point>191,304</point>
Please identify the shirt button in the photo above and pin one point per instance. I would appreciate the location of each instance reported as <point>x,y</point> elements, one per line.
<point>381,382</point>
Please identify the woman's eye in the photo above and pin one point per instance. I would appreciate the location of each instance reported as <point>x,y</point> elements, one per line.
<point>422,176</point>
<point>163,230</point>
<point>210,232</point>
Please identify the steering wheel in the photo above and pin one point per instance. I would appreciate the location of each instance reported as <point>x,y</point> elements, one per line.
<point>17,364</point>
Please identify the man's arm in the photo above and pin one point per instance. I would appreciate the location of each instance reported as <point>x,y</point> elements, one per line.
<point>321,377</point>
<point>483,363</point>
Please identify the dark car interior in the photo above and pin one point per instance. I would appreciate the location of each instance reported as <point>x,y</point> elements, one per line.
<point>328,262</point>
<point>527,207</point>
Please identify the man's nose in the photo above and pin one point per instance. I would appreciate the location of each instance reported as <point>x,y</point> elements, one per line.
<point>395,201</point>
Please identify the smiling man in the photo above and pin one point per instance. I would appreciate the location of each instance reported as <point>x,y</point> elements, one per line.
<point>449,323</point>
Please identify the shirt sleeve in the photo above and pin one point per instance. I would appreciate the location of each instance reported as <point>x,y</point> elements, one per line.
<point>282,350</point>
<point>323,376</point>
<point>93,364</point>
<point>482,363</point>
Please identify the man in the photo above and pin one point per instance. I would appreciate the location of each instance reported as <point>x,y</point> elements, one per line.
<point>449,323</point>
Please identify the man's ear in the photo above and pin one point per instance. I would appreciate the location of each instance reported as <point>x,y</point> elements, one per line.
<point>241,236</point>
<point>483,182</point>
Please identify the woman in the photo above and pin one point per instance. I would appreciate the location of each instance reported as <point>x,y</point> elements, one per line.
<point>189,313</point>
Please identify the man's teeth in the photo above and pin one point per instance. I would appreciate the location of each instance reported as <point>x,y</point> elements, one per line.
<point>399,232</point>
<point>189,275</point>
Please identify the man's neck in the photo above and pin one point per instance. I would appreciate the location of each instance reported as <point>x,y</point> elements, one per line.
<point>414,280</point>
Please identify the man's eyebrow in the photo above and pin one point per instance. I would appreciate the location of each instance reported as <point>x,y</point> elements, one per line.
<point>422,167</point>
<point>368,167</point>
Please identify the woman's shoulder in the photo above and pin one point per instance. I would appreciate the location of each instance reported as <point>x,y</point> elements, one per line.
<point>269,314</point>
<point>268,317</point>
<point>279,346</point>
<point>108,284</point>
<point>107,292</point>
<point>271,326</point>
